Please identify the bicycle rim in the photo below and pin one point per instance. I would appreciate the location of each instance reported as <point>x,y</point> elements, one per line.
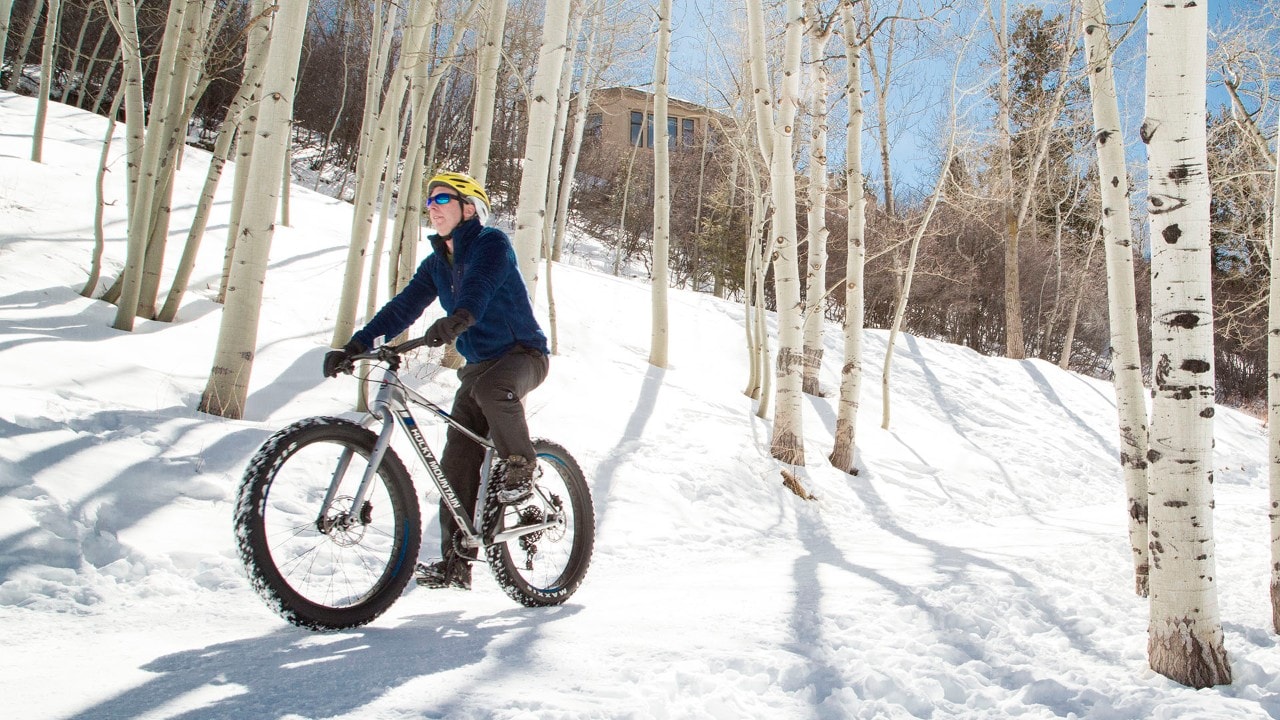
<point>545,568</point>
<point>343,566</point>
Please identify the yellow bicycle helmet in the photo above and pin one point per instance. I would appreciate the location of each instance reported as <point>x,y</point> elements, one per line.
<point>467,187</point>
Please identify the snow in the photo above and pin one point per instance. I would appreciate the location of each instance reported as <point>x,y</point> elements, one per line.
<point>977,566</point>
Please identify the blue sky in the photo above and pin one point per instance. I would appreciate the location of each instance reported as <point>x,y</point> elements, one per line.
<point>702,34</point>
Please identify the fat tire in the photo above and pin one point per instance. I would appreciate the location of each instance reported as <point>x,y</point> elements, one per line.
<point>500,559</point>
<point>251,531</point>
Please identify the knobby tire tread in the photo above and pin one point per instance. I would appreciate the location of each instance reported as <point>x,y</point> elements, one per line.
<point>251,540</point>
<point>500,559</point>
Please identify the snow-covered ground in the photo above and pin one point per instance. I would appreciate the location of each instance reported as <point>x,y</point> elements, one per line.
<point>977,566</point>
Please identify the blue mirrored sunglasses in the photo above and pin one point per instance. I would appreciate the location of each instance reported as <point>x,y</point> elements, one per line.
<point>442,199</point>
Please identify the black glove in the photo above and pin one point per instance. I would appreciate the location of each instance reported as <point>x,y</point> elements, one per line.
<point>448,328</point>
<point>334,360</point>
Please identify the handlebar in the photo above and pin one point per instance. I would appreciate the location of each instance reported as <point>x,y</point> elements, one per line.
<point>389,354</point>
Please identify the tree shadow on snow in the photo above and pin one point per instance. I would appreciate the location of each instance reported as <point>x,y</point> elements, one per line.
<point>293,672</point>
<point>629,443</point>
<point>948,624</point>
<point>85,528</point>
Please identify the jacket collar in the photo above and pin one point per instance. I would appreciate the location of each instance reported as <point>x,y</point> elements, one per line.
<point>464,233</point>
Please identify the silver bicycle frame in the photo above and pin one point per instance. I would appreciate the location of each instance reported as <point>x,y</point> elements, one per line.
<point>392,402</point>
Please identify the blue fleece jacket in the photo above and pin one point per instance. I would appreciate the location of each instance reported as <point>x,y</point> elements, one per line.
<point>482,278</point>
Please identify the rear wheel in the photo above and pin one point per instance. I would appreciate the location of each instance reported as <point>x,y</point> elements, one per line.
<point>545,567</point>
<point>335,567</point>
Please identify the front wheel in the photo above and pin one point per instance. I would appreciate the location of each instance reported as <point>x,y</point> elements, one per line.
<point>320,559</point>
<point>546,567</point>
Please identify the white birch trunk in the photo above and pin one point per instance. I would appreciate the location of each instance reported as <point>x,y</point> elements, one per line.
<point>761,91</point>
<point>1131,405</point>
<point>555,182</point>
<point>488,61</point>
<point>1185,640</point>
<point>228,385</point>
<point>416,56</point>
<point>661,191</point>
<point>28,33</point>
<point>1273,397</point>
<point>218,161</point>
<point>759,255</point>
<point>168,132</point>
<point>6,10</point>
<point>845,443</point>
<point>555,175</point>
<point>52,21</point>
<point>816,233</point>
<point>881,82</point>
<point>126,23</point>
<point>787,443</point>
<point>531,212</point>
<point>256,46</point>
<point>755,370</point>
<point>575,143</point>
<point>373,165</point>
<point>99,236</point>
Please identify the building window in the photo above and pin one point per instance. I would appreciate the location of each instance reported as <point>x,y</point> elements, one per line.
<point>686,132</point>
<point>594,126</point>
<point>672,126</point>
<point>649,132</point>
<point>637,125</point>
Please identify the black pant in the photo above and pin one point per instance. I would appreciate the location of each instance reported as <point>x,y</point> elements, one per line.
<point>490,403</point>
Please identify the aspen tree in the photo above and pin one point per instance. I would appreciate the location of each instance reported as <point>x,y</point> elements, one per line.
<point>1122,304</point>
<point>843,450</point>
<point>757,261</point>
<point>24,46</point>
<point>181,86</point>
<point>776,141</point>
<point>531,211</point>
<point>126,23</point>
<point>488,60</point>
<point>6,9</point>
<point>1273,396</point>
<point>557,177</point>
<point>256,45</point>
<point>228,385</point>
<point>819,33</point>
<point>99,236</point>
<point>217,162</point>
<point>661,190</point>
<point>1185,641</point>
<point>907,278</point>
<point>378,158</point>
<point>52,21</point>
<point>579,128</point>
<point>882,79</point>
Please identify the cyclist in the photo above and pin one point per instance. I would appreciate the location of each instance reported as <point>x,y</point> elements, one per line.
<point>472,270</point>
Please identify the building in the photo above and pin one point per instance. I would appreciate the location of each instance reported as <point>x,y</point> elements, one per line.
<point>623,117</point>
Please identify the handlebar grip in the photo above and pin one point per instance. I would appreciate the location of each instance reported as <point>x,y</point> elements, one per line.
<point>408,345</point>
